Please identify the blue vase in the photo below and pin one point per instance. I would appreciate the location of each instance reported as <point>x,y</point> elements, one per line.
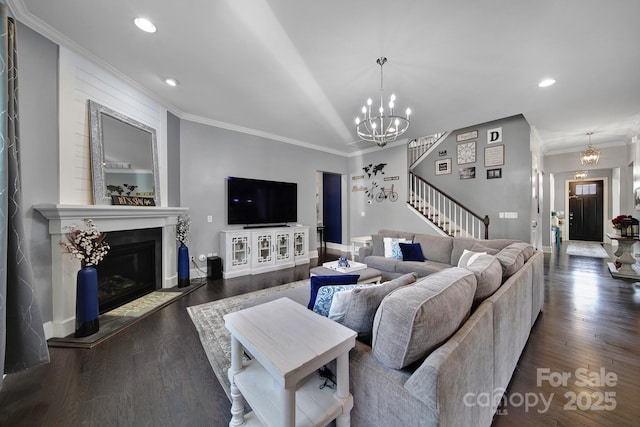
<point>183,266</point>
<point>87,320</point>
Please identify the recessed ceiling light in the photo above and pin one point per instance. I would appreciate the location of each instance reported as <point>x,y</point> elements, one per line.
<point>145,25</point>
<point>171,81</point>
<point>546,83</point>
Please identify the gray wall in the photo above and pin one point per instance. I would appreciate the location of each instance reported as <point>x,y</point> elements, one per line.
<point>208,155</point>
<point>38,106</point>
<point>385,214</point>
<point>511,193</point>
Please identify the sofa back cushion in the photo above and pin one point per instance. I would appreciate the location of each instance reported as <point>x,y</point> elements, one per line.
<point>435,248</point>
<point>414,320</point>
<point>462,243</point>
<point>488,272</point>
<point>513,258</point>
<point>364,303</point>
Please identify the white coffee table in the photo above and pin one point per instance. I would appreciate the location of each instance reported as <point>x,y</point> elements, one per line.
<point>288,344</point>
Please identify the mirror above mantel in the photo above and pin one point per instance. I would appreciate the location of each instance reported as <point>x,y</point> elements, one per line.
<point>124,156</point>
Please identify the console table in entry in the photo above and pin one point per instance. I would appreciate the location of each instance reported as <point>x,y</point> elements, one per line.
<point>625,257</point>
<point>288,344</point>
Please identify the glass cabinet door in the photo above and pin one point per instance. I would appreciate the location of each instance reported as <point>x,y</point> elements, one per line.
<point>239,251</point>
<point>298,244</point>
<point>264,245</point>
<point>283,246</point>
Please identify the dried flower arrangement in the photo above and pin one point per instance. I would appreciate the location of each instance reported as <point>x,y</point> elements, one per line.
<point>86,245</point>
<point>183,228</point>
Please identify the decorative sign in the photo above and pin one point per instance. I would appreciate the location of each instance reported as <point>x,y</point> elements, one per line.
<point>392,178</point>
<point>373,170</point>
<point>494,135</point>
<point>358,188</point>
<point>494,173</point>
<point>443,167</point>
<point>494,155</point>
<point>442,153</point>
<point>467,136</point>
<point>132,201</point>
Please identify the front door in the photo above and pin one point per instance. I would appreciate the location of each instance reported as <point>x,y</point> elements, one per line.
<point>586,210</point>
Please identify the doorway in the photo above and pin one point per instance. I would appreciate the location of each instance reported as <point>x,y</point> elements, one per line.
<point>586,210</point>
<point>332,207</point>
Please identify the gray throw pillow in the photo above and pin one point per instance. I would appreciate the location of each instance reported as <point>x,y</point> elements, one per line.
<point>365,301</point>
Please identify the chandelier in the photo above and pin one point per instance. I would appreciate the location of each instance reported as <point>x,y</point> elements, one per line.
<point>580,174</point>
<point>590,156</point>
<point>382,128</point>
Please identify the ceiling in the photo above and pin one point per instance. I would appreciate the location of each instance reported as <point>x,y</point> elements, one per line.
<point>300,71</point>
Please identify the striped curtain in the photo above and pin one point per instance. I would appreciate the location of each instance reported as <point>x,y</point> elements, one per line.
<point>22,341</point>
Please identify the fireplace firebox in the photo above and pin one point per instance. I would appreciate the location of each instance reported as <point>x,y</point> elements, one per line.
<point>131,269</point>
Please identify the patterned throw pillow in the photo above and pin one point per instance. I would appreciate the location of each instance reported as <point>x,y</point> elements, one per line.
<point>316,282</point>
<point>325,297</point>
<point>392,247</point>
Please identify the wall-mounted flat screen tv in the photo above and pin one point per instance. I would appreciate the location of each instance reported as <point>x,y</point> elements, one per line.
<point>255,201</point>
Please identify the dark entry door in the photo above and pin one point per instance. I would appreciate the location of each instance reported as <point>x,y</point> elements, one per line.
<point>586,210</point>
<point>332,207</point>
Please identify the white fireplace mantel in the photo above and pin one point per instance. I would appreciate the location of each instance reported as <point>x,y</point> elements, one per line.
<point>107,218</point>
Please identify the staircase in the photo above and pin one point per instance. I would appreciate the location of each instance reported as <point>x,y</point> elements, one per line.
<point>447,215</point>
<point>419,147</point>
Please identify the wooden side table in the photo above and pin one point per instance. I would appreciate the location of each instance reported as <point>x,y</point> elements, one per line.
<point>625,256</point>
<point>288,344</point>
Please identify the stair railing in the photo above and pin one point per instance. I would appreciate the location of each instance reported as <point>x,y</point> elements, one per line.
<point>419,146</point>
<point>449,215</point>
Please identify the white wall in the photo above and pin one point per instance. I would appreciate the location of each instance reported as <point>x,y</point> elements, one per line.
<point>79,81</point>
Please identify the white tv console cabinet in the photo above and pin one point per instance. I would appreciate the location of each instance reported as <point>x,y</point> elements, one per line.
<point>258,250</point>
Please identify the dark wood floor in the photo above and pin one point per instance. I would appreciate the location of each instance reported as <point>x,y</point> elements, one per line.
<point>155,373</point>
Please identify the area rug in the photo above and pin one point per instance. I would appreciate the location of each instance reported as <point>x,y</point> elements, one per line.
<point>118,319</point>
<point>588,249</point>
<point>214,336</point>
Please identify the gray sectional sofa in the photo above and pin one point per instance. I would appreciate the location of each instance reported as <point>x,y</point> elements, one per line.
<point>439,347</point>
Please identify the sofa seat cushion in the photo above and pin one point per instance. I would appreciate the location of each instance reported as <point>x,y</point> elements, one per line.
<point>381,263</point>
<point>488,272</point>
<point>413,320</point>
<point>364,303</point>
<point>421,269</point>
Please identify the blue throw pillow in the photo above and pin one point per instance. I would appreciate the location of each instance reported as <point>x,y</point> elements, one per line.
<point>411,252</point>
<point>317,282</point>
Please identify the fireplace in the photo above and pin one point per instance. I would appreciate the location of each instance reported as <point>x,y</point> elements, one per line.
<point>116,221</point>
<point>131,269</point>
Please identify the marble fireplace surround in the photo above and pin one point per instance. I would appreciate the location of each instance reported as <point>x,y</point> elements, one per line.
<point>107,218</point>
